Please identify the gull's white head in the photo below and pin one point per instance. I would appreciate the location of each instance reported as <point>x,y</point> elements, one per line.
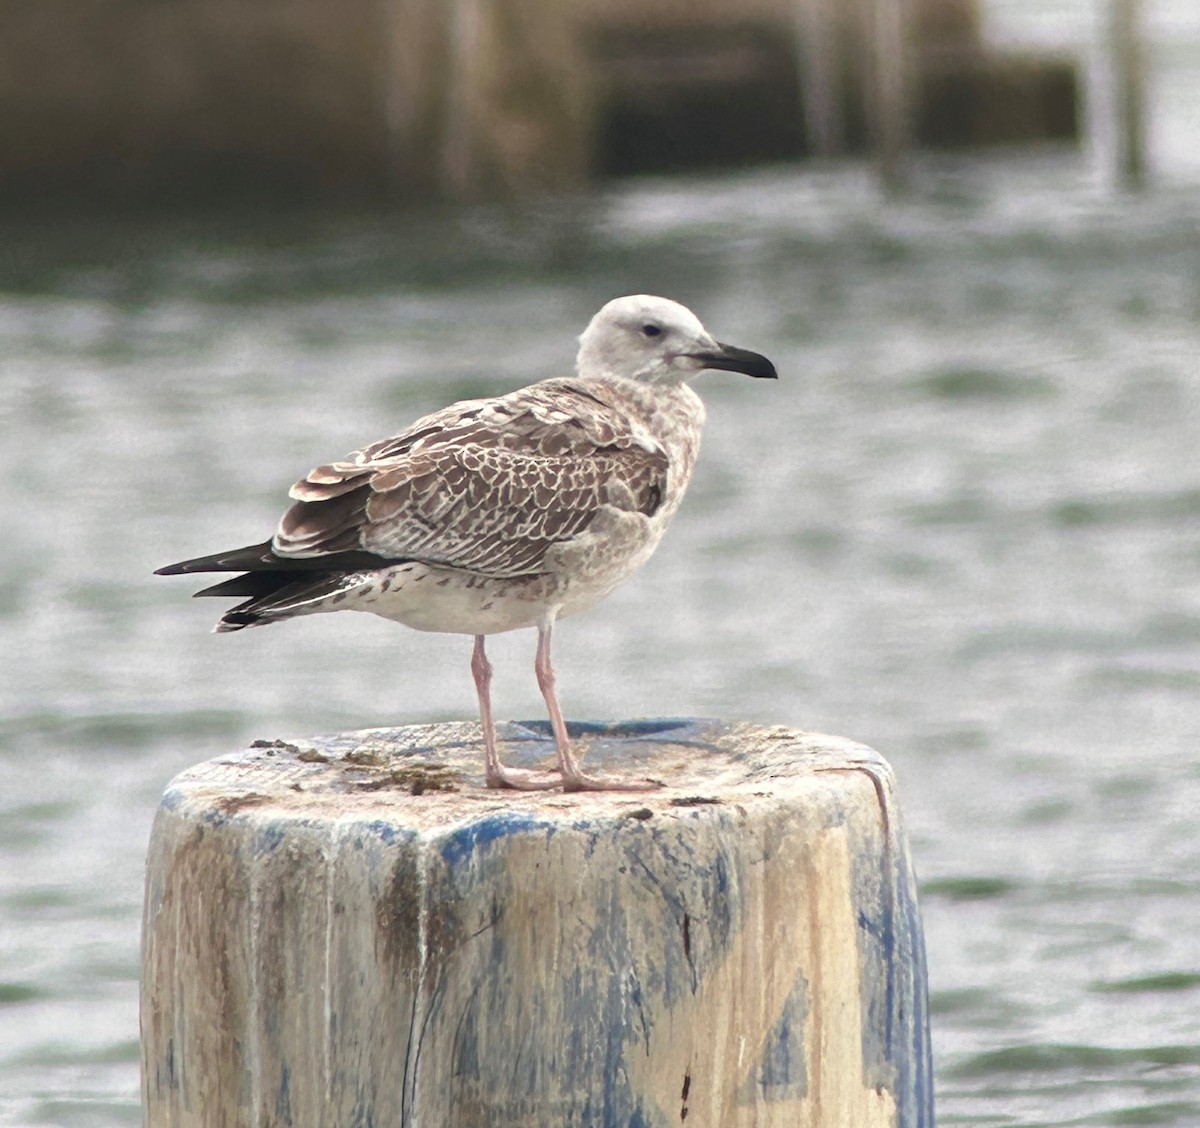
<point>658,341</point>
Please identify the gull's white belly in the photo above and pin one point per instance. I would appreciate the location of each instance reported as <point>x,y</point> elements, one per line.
<point>428,598</point>
<point>443,600</point>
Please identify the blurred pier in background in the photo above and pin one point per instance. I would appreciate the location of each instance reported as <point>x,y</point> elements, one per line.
<point>473,99</point>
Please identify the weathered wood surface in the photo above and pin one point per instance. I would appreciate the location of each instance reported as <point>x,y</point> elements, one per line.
<point>352,931</point>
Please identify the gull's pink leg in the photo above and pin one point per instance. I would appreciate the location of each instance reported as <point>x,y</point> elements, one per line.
<point>573,776</point>
<point>522,779</point>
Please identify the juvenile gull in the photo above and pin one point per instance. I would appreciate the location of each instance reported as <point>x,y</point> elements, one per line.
<point>496,514</point>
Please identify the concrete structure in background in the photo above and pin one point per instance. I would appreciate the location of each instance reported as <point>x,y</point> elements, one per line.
<point>291,99</point>
<point>683,83</point>
<point>142,100</point>
<point>353,931</point>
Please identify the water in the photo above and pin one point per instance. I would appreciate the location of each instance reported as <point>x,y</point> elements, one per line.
<point>964,528</point>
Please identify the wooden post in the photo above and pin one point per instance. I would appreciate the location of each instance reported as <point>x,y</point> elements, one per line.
<point>889,93</point>
<point>1129,81</point>
<point>352,931</point>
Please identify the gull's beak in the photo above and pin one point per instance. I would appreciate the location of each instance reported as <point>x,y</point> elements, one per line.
<point>729,358</point>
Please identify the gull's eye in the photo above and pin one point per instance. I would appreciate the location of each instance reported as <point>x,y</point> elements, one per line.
<point>651,330</point>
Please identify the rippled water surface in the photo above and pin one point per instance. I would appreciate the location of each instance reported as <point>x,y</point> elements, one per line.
<point>964,527</point>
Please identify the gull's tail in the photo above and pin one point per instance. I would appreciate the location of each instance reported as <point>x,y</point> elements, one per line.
<point>275,596</point>
<point>279,587</point>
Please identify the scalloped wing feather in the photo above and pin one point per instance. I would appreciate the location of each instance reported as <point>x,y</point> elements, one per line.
<point>488,486</point>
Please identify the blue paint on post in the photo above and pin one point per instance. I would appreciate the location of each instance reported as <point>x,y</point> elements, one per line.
<point>783,1071</point>
<point>914,1085</point>
<point>383,830</point>
<point>462,843</point>
<point>623,730</point>
<point>895,1028</point>
<point>171,799</point>
<point>283,1099</point>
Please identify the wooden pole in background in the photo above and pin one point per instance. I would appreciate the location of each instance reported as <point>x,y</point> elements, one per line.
<point>352,931</point>
<point>519,104</point>
<point>1129,80</point>
<point>817,27</point>
<point>889,91</point>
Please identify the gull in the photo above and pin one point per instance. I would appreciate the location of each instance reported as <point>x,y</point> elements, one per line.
<point>499,514</point>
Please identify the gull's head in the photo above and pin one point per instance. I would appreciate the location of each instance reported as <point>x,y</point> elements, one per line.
<point>658,341</point>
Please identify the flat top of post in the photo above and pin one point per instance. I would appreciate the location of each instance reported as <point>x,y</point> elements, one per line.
<point>428,778</point>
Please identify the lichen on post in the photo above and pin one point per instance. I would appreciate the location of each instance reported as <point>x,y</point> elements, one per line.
<point>352,930</point>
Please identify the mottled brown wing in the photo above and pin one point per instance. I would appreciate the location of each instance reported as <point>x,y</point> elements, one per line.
<point>485,485</point>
